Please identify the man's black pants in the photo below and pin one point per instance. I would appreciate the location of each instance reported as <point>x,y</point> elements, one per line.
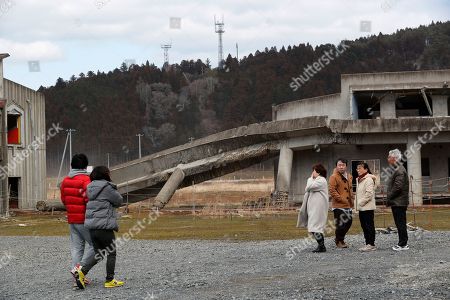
<point>399,213</point>
<point>343,221</point>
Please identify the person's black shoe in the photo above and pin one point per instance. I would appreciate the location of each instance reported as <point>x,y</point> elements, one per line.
<point>320,249</point>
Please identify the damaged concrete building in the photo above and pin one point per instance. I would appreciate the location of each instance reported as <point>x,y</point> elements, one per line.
<point>373,113</point>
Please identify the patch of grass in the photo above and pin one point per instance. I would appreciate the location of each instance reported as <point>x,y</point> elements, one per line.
<point>35,225</point>
<point>235,228</point>
<point>219,228</point>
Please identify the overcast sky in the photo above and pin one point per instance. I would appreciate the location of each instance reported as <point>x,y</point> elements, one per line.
<point>70,37</point>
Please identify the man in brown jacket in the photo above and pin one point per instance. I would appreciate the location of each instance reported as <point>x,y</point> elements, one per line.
<point>341,193</point>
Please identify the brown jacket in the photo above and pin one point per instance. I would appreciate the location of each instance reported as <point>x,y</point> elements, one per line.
<point>340,190</point>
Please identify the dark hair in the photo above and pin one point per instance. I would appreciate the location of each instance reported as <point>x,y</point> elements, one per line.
<point>343,160</point>
<point>365,166</point>
<point>100,173</point>
<point>79,161</point>
<point>320,169</point>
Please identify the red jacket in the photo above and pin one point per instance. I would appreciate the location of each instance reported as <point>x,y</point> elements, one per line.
<point>73,195</point>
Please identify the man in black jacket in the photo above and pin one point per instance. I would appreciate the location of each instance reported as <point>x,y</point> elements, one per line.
<point>398,197</point>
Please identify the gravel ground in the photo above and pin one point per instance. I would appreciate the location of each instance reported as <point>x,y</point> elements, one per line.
<point>38,269</point>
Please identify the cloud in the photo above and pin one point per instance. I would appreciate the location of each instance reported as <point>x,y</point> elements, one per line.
<point>98,34</point>
<point>38,50</point>
<point>254,23</point>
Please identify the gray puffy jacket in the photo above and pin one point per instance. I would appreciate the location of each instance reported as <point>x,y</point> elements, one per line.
<point>101,207</point>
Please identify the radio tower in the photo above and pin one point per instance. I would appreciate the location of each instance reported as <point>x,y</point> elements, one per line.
<point>219,29</point>
<point>166,48</point>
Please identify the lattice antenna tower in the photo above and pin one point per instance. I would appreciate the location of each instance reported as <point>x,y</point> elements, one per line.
<point>219,28</point>
<point>166,48</point>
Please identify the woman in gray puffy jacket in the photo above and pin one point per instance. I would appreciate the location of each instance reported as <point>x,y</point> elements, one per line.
<point>101,220</point>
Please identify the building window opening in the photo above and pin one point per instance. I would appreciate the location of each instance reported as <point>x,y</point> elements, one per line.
<point>368,105</point>
<point>14,122</point>
<point>412,106</point>
<point>13,187</point>
<point>425,166</point>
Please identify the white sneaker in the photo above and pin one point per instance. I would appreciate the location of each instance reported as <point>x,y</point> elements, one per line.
<point>368,248</point>
<point>363,248</point>
<point>400,248</point>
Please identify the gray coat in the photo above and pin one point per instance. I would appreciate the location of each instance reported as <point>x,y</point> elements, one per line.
<point>101,207</point>
<point>398,188</point>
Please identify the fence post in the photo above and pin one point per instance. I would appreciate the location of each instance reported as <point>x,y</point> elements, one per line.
<point>431,204</point>
<point>126,207</point>
<point>384,206</point>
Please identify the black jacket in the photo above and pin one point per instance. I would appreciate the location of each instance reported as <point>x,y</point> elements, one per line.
<point>398,188</point>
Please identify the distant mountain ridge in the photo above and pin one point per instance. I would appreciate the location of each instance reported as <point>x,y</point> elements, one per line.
<point>175,104</point>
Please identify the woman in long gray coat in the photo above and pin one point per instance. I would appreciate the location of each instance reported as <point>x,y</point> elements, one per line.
<point>314,211</point>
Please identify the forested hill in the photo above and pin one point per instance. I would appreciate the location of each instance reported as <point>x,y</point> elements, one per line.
<point>189,100</point>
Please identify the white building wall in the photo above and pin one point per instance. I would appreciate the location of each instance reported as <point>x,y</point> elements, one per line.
<point>32,170</point>
<point>318,106</point>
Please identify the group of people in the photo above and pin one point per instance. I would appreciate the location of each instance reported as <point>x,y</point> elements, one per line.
<point>344,201</point>
<point>91,201</point>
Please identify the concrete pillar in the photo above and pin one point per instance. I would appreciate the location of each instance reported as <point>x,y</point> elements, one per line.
<point>169,188</point>
<point>440,105</point>
<point>387,107</point>
<point>414,171</point>
<point>284,174</point>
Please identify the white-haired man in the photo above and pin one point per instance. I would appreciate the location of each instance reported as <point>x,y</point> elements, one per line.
<point>398,197</point>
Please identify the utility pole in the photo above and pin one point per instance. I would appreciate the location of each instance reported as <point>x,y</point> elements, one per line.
<point>62,160</point>
<point>139,137</point>
<point>70,130</point>
<point>107,156</point>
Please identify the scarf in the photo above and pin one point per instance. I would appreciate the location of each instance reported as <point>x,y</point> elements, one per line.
<point>361,177</point>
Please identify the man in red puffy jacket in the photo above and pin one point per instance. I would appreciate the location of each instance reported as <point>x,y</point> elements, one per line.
<point>73,195</point>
